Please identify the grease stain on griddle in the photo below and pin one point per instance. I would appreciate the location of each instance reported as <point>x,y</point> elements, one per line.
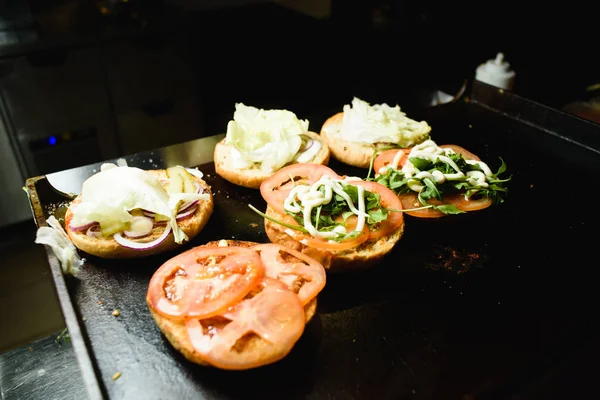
<point>458,260</point>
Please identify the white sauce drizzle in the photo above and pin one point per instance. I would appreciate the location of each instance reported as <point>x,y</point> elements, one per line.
<point>428,150</point>
<point>312,197</point>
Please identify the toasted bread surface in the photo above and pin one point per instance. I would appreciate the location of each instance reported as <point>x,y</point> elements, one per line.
<point>365,255</point>
<point>107,247</point>
<point>253,177</point>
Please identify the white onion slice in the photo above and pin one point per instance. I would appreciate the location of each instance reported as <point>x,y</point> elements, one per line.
<point>140,245</point>
<point>187,213</point>
<point>139,226</point>
<point>307,145</point>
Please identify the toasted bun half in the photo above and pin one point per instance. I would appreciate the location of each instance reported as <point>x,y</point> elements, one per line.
<point>107,247</point>
<point>345,151</point>
<point>250,348</point>
<point>252,178</point>
<point>363,256</point>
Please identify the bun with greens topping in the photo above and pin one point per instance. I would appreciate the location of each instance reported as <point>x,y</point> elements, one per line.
<point>342,222</point>
<point>433,181</point>
<point>260,142</point>
<point>354,134</point>
<point>125,212</point>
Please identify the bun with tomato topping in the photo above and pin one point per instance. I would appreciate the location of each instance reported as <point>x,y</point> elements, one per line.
<point>255,300</point>
<point>125,212</point>
<point>343,222</point>
<point>260,142</point>
<point>354,134</point>
<point>433,181</point>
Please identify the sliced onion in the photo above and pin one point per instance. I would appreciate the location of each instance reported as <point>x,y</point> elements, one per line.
<point>186,206</point>
<point>82,227</point>
<point>187,213</point>
<point>307,145</point>
<point>148,214</point>
<point>143,227</point>
<point>140,245</point>
<point>199,188</point>
<point>94,231</point>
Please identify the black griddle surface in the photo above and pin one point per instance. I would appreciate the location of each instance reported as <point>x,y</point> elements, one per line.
<point>482,305</point>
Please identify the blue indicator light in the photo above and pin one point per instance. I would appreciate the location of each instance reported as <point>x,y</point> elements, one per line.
<point>52,140</point>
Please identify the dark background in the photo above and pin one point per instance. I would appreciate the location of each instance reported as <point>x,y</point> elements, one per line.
<point>151,73</point>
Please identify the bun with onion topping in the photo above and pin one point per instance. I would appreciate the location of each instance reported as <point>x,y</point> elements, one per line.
<point>343,222</point>
<point>260,142</point>
<point>125,212</point>
<point>354,134</point>
<point>249,316</point>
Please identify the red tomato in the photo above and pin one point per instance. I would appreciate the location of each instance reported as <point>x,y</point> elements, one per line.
<point>325,244</point>
<point>467,155</point>
<point>306,277</point>
<point>277,187</point>
<point>385,158</point>
<point>387,199</point>
<point>410,200</point>
<point>275,314</point>
<point>203,282</point>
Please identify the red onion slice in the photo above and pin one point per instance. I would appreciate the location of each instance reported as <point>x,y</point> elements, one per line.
<point>148,214</point>
<point>140,245</point>
<point>187,213</point>
<point>80,228</point>
<point>94,231</point>
<point>186,206</point>
<point>139,227</point>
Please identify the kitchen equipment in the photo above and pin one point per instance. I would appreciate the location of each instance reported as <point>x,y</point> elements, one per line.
<point>488,305</point>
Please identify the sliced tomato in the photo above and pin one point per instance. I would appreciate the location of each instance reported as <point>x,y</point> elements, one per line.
<point>385,158</point>
<point>203,282</point>
<point>276,188</point>
<point>275,314</point>
<point>387,199</point>
<point>410,200</point>
<point>467,155</point>
<point>304,275</point>
<point>325,244</point>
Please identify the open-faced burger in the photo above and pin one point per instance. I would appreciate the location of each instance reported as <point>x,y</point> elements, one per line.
<point>433,181</point>
<point>354,134</point>
<point>127,212</point>
<point>344,222</point>
<point>233,304</point>
<point>260,142</point>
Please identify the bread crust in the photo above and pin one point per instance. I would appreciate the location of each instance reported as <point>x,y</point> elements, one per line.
<point>254,346</point>
<point>345,151</point>
<point>107,247</point>
<point>367,254</point>
<point>252,178</point>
